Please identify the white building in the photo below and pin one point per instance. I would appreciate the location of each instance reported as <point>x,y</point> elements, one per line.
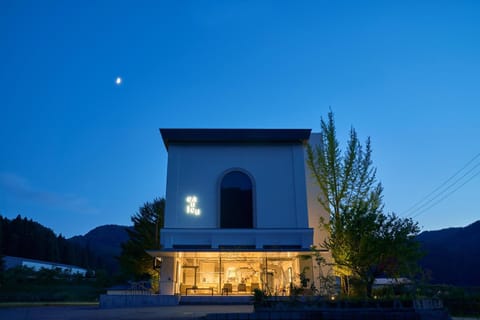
<point>241,211</point>
<point>37,265</point>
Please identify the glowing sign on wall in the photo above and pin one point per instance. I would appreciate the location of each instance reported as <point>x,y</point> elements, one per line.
<point>192,205</point>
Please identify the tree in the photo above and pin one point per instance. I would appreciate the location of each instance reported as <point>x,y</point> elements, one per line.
<point>363,241</point>
<point>378,245</point>
<point>134,260</point>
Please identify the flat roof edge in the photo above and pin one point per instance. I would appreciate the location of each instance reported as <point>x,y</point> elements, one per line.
<point>233,135</point>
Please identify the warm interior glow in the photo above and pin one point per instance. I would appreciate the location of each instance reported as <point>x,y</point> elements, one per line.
<point>237,273</point>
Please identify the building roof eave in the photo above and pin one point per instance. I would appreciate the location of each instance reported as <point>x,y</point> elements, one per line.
<point>234,135</point>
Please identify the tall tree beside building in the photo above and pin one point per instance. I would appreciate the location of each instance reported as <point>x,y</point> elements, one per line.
<point>364,242</point>
<point>145,235</point>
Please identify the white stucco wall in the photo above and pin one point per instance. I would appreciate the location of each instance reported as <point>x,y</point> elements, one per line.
<point>315,212</point>
<point>278,174</point>
<point>315,209</point>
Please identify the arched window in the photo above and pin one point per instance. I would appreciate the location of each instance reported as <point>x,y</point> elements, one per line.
<point>236,201</point>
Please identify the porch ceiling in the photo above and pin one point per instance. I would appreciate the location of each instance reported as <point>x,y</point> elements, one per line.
<point>230,254</point>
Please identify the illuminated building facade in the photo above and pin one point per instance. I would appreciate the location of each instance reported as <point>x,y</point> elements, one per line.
<point>241,212</point>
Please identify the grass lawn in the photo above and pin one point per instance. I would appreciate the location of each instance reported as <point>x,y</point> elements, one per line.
<point>49,294</point>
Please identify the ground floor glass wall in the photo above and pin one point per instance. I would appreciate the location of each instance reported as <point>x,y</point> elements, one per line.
<point>237,273</point>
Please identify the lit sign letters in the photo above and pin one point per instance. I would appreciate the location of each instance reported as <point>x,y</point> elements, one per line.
<point>192,206</point>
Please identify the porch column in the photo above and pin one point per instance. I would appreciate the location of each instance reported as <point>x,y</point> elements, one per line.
<point>166,279</point>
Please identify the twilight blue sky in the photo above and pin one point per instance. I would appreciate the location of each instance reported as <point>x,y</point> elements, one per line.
<point>78,151</point>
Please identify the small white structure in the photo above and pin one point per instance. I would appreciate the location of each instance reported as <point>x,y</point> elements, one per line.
<point>36,265</point>
<point>388,282</point>
<point>241,211</point>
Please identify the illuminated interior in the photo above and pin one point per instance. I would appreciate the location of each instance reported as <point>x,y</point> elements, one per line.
<point>237,273</point>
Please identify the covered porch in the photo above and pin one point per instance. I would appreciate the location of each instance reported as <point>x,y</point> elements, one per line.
<point>231,272</point>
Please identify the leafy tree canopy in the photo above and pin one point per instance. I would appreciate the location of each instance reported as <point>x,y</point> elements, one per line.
<point>364,241</point>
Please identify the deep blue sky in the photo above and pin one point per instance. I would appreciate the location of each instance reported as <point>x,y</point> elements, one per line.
<point>78,151</point>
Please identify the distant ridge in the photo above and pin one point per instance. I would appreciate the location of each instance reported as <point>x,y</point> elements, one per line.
<point>453,255</point>
<point>24,238</point>
<point>106,242</point>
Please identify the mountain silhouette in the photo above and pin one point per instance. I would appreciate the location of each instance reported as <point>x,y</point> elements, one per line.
<point>105,242</point>
<point>452,255</point>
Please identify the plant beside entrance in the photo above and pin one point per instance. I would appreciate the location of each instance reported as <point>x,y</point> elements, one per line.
<point>305,296</point>
<point>405,300</point>
<point>335,307</point>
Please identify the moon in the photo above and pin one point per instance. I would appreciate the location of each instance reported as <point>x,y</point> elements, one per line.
<point>118,81</point>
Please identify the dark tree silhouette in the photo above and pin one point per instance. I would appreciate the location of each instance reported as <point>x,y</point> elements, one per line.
<point>145,235</point>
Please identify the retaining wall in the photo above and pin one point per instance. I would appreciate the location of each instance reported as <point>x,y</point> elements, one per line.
<point>137,300</point>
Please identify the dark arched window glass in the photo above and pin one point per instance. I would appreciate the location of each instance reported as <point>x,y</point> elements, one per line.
<point>236,201</point>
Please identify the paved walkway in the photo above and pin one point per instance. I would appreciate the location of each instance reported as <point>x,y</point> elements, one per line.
<point>94,313</point>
